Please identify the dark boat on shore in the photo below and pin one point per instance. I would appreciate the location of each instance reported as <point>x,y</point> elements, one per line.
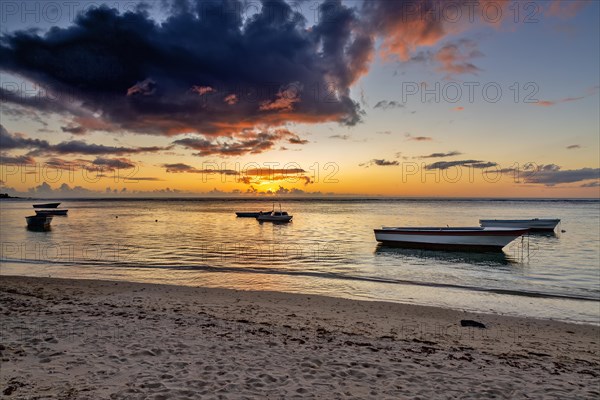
<point>46,205</point>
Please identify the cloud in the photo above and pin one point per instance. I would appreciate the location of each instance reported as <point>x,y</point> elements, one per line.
<point>204,69</point>
<point>249,176</point>
<point>143,178</point>
<point>379,162</point>
<point>341,137</point>
<point>549,103</point>
<point>591,184</point>
<point>81,147</point>
<point>208,69</point>
<point>181,167</point>
<point>554,175</point>
<point>418,138</point>
<point>573,147</point>
<point>63,190</point>
<point>251,142</point>
<point>386,104</point>
<point>285,99</point>
<point>461,163</point>
<point>455,58</point>
<point>202,90</point>
<point>259,175</point>
<point>147,87</point>
<point>75,130</point>
<point>442,155</point>
<point>43,147</point>
<point>16,160</point>
<point>113,163</point>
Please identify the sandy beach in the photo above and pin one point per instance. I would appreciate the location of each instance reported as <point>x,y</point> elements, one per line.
<point>84,339</point>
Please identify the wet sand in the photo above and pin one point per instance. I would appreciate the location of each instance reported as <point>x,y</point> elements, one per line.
<point>85,339</point>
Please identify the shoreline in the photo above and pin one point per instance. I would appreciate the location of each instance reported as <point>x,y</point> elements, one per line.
<point>92,338</point>
<point>447,289</point>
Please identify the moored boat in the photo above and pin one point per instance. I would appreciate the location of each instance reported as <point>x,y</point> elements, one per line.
<point>275,216</point>
<point>536,224</point>
<point>38,222</point>
<point>46,205</point>
<point>56,211</point>
<point>464,238</point>
<point>250,214</point>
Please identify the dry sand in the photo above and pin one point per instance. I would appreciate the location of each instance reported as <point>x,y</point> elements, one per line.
<point>84,339</point>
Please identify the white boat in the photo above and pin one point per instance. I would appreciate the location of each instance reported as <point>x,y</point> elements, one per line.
<point>535,224</point>
<point>275,216</point>
<point>467,238</point>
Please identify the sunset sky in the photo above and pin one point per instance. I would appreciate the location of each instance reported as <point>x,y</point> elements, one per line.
<point>189,98</point>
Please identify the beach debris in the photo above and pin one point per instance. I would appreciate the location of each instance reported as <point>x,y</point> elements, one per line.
<point>470,322</point>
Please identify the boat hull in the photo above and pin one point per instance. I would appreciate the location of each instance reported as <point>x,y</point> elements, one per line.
<point>46,205</point>
<point>269,218</point>
<point>51,212</point>
<point>248,214</point>
<point>539,225</point>
<point>38,222</point>
<point>465,239</point>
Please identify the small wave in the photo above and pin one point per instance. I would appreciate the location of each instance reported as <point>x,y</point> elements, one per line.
<point>316,274</point>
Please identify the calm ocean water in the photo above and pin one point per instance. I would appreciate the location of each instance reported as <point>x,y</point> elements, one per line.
<point>329,249</point>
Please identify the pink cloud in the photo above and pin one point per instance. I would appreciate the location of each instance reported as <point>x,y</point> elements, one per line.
<point>231,99</point>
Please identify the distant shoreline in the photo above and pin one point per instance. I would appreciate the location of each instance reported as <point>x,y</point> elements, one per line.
<point>295,199</point>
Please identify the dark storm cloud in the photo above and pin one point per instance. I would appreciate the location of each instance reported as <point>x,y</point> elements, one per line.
<point>203,70</point>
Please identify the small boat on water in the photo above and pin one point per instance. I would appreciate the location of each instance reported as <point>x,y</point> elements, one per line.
<point>467,238</point>
<point>275,216</point>
<point>250,214</point>
<point>46,205</point>
<point>38,222</point>
<point>56,211</point>
<point>535,224</point>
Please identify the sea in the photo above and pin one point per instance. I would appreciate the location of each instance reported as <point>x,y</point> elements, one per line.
<point>329,249</point>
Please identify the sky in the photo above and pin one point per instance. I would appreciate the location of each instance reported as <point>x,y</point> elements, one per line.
<point>458,98</point>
